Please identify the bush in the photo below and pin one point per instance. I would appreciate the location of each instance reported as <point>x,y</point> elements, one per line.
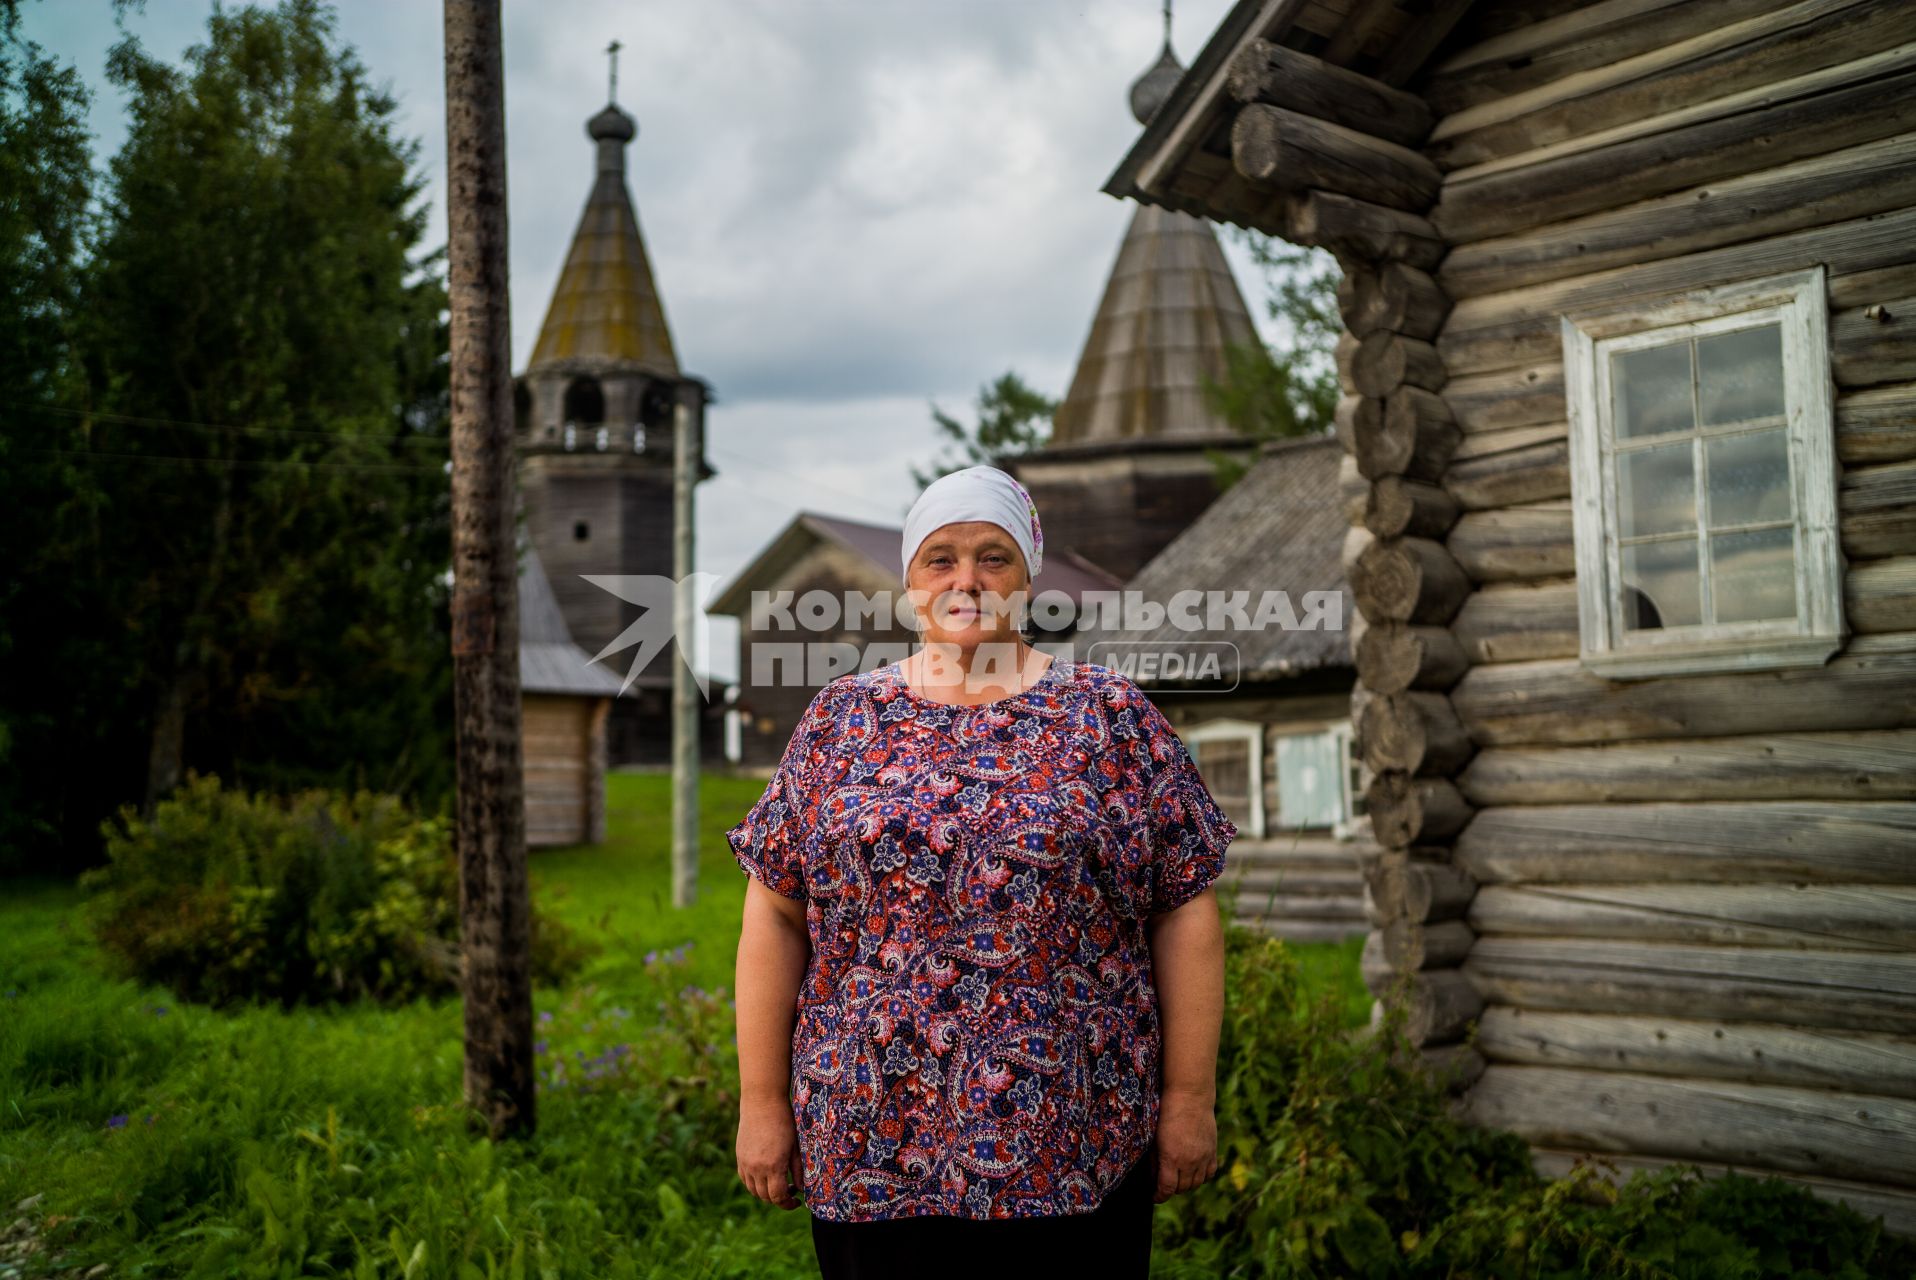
<point>1340,1156</point>
<point>224,896</point>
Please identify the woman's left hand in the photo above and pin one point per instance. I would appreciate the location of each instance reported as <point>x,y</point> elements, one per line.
<point>1187,1143</point>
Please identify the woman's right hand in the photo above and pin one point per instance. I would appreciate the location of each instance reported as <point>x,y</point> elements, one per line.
<point>768,1152</point>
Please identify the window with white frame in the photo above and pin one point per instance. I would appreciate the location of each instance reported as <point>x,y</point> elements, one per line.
<point>1230,756</point>
<point>1703,480</point>
<point>1313,769</point>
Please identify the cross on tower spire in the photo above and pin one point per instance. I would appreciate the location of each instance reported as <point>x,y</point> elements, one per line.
<point>612,53</point>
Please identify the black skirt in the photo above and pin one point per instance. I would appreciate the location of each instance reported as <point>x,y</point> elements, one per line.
<point>1112,1242</point>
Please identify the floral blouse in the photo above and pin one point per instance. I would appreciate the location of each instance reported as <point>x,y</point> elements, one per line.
<point>977,1030</point>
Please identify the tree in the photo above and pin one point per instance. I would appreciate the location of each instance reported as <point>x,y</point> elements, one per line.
<point>1012,418</point>
<point>1288,389</point>
<point>46,500</point>
<point>245,556</point>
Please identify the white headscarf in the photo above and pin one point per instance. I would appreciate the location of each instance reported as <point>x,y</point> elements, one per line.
<point>976,493</point>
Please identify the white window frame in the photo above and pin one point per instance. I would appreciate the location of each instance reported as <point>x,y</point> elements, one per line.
<point>1798,302</point>
<point>1349,762</point>
<point>1246,731</point>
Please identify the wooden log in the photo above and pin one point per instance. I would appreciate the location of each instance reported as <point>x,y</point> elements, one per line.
<point>1392,297</point>
<point>1743,842</point>
<point>1439,1004</point>
<point>1347,910</point>
<point>1353,491</point>
<point>1454,1067</point>
<point>1344,417</point>
<point>1813,114</point>
<point>1418,890</point>
<point>1344,356</point>
<point>1894,1210</point>
<point>1408,580</point>
<point>1862,288</point>
<point>1856,990</point>
<point>1411,433</point>
<point>1870,685</point>
<point>1877,765</point>
<point>1880,595</point>
<point>1859,1136</point>
<point>1360,698</point>
<point>1396,506</point>
<point>1360,229</point>
<point>1357,541</point>
<point>1416,733</point>
<point>1851,183</point>
<point>1485,443</point>
<point>1506,398</point>
<point>1752,1053</point>
<point>1406,811</point>
<point>1874,344</point>
<point>1876,510</point>
<point>1280,77</point>
<point>1409,946</point>
<point>1344,884</point>
<point>1530,473</point>
<point>1413,46</point>
<point>1808,917</point>
<point>1877,425</point>
<point>1519,622</point>
<point>1522,327</point>
<point>1295,152</point>
<point>1549,47</point>
<point>1386,361</point>
<point>1759,51</point>
<point>1300,930</point>
<point>1515,543</point>
<point>1393,658</point>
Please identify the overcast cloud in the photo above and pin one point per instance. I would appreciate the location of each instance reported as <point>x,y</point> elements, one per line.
<point>853,207</point>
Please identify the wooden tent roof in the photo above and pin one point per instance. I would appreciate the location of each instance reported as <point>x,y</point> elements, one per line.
<point>606,310</point>
<point>1170,309</point>
<point>1281,528</point>
<point>549,661</point>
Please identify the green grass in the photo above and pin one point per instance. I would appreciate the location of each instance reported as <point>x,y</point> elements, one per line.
<point>175,1140</point>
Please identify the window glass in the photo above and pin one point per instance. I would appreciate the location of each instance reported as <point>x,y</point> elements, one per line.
<point>1310,775</point>
<point>1740,375</point>
<point>1749,478</point>
<point>1753,575</point>
<point>1661,583</point>
<point>1652,389</point>
<point>1656,490</point>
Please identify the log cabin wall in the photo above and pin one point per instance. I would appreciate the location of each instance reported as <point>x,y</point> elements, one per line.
<point>1695,934</point>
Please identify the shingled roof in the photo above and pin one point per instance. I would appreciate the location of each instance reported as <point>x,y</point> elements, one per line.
<point>1279,528</point>
<point>549,660</point>
<point>606,308</point>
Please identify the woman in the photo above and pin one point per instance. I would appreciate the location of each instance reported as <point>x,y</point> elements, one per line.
<point>980,977</point>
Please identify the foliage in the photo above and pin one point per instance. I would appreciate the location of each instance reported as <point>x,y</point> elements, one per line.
<point>1012,419</point>
<point>1340,1156</point>
<point>1288,389</point>
<point>238,562</point>
<point>181,1140</point>
<point>222,897</point>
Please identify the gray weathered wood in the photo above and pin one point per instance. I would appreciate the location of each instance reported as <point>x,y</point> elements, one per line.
<point>1515,543</point>
<point>1850,183</point>
<point>1503,399</point>
<point>1396,506</point>
<point>1406,811</point>
<point>1754,1053</point>
<point>1409,433</point>
<point>1392,297</point>
<point>1295,152</point>
<point>1387,361</point>
<point>1415,732</point>
<point>1877,425</point>
<point>1439,1004</point>
<point>1281,77</point>
<point>1417,890</point>
<point>1876,343</point>
<point>1878,510</point>
<point>1803,1130</point>
<point>1394,657</point>
<point>1360,229</point>
<point>1409,945</point>
<point>1533,472</point>
<point>1746,842</point>
<point>1519,622</point>
<point>1815,917</point>
<point>1870,685</point>
<point>1813,114</point>
<point>1521,327</point>
<point>1880,595</point>
<point>1857,990</point>
<point>1408,580</point>
<point>1879,764</point>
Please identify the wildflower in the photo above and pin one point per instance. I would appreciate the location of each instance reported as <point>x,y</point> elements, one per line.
<point>159,1011</point>
<point>116,1122</point>
<point>651,958</point>
<point>539,1046</point>
<point>545,1015</point>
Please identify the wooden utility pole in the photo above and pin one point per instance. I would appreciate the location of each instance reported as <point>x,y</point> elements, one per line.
<point>494,904</point>
<point>688,448</point>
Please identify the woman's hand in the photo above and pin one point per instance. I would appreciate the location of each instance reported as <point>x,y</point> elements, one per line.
<point>1187,1143</point>
<point>768,1152</point>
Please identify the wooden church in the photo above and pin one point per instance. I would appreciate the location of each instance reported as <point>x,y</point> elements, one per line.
<point>1629,435</point>
<point>595,407</point>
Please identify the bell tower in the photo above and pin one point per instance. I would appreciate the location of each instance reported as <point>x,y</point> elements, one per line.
<point>595,411</point>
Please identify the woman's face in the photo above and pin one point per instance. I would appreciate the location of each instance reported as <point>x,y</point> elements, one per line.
<point>960,580</point>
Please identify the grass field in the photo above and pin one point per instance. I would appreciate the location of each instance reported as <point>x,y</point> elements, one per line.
<point>163,1139</point>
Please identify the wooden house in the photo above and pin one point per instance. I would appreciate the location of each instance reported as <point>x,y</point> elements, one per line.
<point>1630,416</point>
<point>565,699</point>
<point>1269,725</point>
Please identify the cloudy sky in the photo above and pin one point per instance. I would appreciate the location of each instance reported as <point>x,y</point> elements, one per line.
<point>853,207</point>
